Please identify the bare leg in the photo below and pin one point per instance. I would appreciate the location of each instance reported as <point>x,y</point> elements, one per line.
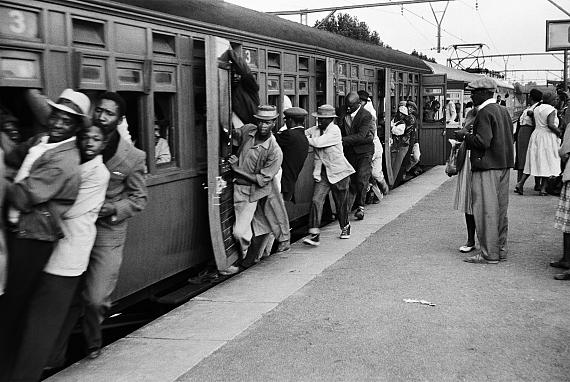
<point>470,222</point>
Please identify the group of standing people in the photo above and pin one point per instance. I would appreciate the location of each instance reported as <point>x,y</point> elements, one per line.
<point>74,188</point>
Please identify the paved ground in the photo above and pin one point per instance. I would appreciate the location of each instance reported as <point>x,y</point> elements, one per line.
<point>505,322</point>
<point>337,312</point>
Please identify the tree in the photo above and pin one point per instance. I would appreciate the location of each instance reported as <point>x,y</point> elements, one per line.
<point>422,56</point>
<point>349,26</point>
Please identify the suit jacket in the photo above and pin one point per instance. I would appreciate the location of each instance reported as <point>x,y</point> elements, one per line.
<point>295,147</point>
<point>491,142</point>
<point>48,192</point>
<point>126,192</point>
<point>358,137</point>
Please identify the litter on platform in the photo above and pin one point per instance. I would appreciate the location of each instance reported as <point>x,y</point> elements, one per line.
<point>422,302</point>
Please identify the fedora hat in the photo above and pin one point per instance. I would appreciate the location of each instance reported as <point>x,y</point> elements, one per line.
<point>325,111</point>
<point>72,102</point>
<point>266,112</point>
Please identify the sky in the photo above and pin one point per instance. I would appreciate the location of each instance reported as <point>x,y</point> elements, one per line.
<point>504,26</point>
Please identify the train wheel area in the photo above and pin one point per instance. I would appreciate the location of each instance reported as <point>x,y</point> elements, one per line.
<point>172,344</point>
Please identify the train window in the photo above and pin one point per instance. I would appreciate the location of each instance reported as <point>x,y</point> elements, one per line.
<point>370,88</point>
<point>354,71</point>
<point>303,86</point>
<point>303,63</point>
<point>199,79</point>
<point>274,60</point>
<point>164,78</point>
<point>88,32</point>
<point>199,49</point>
<point>93,73</point>
<point>400,77</point>
<point>273,85</point>
<point>320,66</point>
<point>304,102</point>
<point>130,75</point>
<point>354,86</point>
<point>289,86</point>
<point>290,62</point>
<point>342,70</point>
<point>134,118</point>
<point>250,57</point>
<point>130,39</point>
<point>18,23</point>
<point>341,88</point>
<point>163,44</point>
<point>19,65</point>
<point>369,72</point>
<point>164,128</point>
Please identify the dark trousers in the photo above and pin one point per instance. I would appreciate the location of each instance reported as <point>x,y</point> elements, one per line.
<point>47,312</point>
<point>359,181</point>
<point>320,192</point>
<point>26,261</point>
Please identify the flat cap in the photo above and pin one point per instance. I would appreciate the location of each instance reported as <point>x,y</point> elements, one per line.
<point>363,95</point>
<point>295,112</point>
<point>483,83</point>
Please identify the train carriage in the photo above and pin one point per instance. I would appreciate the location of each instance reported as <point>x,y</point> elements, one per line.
<point>165,57</point>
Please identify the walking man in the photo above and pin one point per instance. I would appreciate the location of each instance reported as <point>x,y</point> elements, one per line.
<point>491,145</point>
<point>357,140</point>
<point>331,172</point>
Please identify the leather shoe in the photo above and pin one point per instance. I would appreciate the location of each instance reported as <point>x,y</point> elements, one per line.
<point>559,264</point>
<point>562,276</point>
<point>479,259</point>
<point>466,248</point>
<point>93,353</point>
<point>283,246</point>
<point>518,190</point>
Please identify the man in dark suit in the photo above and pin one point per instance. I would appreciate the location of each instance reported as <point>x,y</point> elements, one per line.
<point>295,147</point>
<point>357,140</point>
<point>492,157</point>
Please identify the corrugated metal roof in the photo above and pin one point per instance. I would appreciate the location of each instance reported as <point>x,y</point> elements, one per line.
<point>461,75</point>
<point>229,15</point>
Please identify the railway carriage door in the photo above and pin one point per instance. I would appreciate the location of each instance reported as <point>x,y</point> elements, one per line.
<point>220,186</point>
<point>433,135</point>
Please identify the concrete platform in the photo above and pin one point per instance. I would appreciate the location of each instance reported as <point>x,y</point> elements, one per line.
<point>170,346</point>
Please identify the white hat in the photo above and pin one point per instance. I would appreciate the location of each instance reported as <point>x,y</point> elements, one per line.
<point>403,110</point>
<point>72,102</point>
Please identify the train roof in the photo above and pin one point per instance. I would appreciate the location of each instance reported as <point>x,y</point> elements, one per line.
<point>227,15</point>
<point>462,76</point>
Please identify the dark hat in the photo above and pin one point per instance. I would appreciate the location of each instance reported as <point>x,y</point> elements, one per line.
<point>535,94</point>
<point>483,83</point>
<point>295,112</point>
<point>325,111</point>
<point>363,95</point>
<point>412,104</point>
<point>266,112</point>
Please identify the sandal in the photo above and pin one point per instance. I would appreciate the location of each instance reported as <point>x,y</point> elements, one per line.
<point>518,190</point>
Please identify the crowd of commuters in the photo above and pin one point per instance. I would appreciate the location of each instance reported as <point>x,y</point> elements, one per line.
<point>69,191</point>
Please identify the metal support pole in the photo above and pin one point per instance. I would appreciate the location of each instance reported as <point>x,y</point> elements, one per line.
<point>565,79</point>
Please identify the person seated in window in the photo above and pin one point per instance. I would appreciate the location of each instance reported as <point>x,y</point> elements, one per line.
<point>161,148</point>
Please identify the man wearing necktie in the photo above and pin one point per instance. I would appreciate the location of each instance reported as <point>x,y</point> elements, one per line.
<point>357,140</point>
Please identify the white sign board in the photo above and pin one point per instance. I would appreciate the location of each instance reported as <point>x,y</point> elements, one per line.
<point>557,35</point>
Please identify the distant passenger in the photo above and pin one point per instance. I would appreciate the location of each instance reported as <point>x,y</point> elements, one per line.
<point>331,173</point>
<point>401,128</point>
<point>161,147</point>
<point>295,147</point>
<point>60,279</point>
<point>259,160</point>
<point>492,157</point>
<point>357,140</point>
<point>450,112</point>
<point>44,189</point>
<point>525,127</point>
<point>126,196</point>
<point>412,160</point>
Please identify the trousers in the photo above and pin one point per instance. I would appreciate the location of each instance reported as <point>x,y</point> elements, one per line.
<point>339,190</point>
<point>362,164</point>
<point>490,193</point>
